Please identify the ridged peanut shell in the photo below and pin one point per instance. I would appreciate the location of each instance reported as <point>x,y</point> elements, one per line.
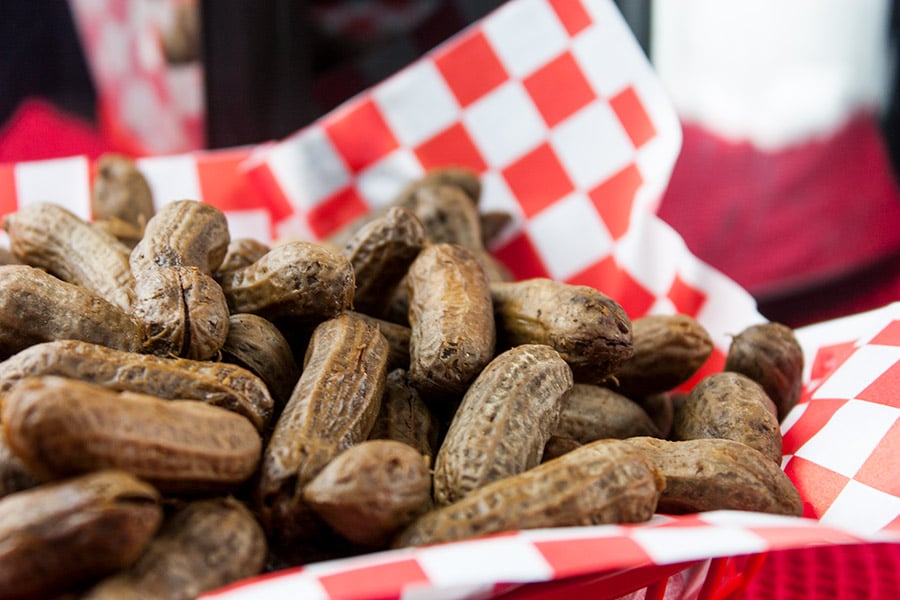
<point>591,412</point>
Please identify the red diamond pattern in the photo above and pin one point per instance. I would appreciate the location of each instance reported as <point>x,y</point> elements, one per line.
<point>884,390</point>
<point>453,146</point>
<point>538,180</point>
<point>367,582</point>
<point>522,258</point>
<point>614,198</point>
<point>889,336</point>
<point>559,89</point>
<point>470,67</point>
<point>633,116</point>
<point>336,211</point>
<point>360,151</point>
<point>687,299</point>
<point>608,277</point>
<point>881,468</point>
<point>816,482</point>
<point>572,15</point>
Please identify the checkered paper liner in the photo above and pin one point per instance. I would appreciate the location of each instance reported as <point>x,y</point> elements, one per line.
<point>581,172</point>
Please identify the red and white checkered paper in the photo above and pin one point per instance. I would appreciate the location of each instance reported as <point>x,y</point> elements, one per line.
<point>553,104</point>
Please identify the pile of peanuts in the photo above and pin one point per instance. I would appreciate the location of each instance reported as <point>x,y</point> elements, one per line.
<point>181,410</point>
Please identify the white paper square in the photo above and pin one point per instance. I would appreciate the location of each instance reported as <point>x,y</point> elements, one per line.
<point>592,145</point>
<point>416,103</point>
<point>504,124</point>
<point>586,240</point>
<point>858,372</point>
<point>525,35</point>
<point>849,438</point>
<point>254,224</point>
<point>608,53</point>
<point>308,168</point>
<point>381,182</point>
<point>668,545</point>
<point>862,509</point>
<point>62,181</point>
<point>171,178</point>
<point>506,558</point>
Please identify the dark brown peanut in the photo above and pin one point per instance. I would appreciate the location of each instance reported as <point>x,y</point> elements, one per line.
<point>716,474</point>
<point>121,192</point>
<point>296,280</point>
<point>242,252</point>
<point>257,344</point>
<point>451,320</point>
<point>460,177</point>
<point>14,477</point>
<point>183,311</point>
<point>661,410</point>
<point>183,233</point>
<point>60,427</point>
<point>668,350</point>
<point>397,336</point>
<point>448,215</point>
<point>557,446</point>
<point>52,238</point>
<point>590,485</point>
<point>333,407</point>
<point>770,355</point>
<point>37,307</point>
<point>381,253</point>
<point>404,417</point>
<point>60,535</point>
<point>219,384</point>
<point>493,223</point>
<point>590,330</point>
<point>730,406</point>
<point>504,421</point>
<point>591,412</point>
<point>205,545</point>
<point>371,490</point>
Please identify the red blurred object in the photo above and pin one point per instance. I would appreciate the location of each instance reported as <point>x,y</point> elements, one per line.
<point>38,130</point>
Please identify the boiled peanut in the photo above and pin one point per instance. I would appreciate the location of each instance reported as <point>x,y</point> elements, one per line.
<point>558,445</point>
<point>371,490</point>
<point>257,344</point>
<point>770,355</point>
<point>205,545</point>
<point>730,406</point>
<point>14,476</point>
<point>297,280</point>
<point>404,417</point>
<point>460,177</point>
<point>397,336</point>
<point>590,485</point>
<point>589,329</point>
<point>37,307</point>
<point>504,421</point>
<point>668,350</point>
<point>381,253</point>
<point>451,319</point>
<point>62,534</point>
<point>241,252</point>
<point>54,239</point>
<point>121,192</point>
<point>333,406</point>
<point>591,412</point>
<point>60,427</point>
<point>717,474</point>
<point>219,384</point>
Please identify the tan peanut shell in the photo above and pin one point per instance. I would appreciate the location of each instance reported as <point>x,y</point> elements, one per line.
<point>451,319</point>
<point>258,345</point>
<point>448,215</point>
<point>589,329</point>
<point>61,427</point>
<point>241,252</point>
<point>183,311</point>
<point>591,412</point>
<point>461,177</point>
<point>730,406</point>
<point>121,192</point>
<point>770,355</point>
<point>397,336</point>
<point>381,253</point>
<point>37,307</point>
<point>205,545</point>
<point>53,238</point>
<point>333,407</point>
<point>371,490</point>
<point>14,476</point>
<point>590,485</point>
<point>716,474</point>
<point>60,535</point>
<point>504,421</point>
<point>296,280</point>
<point>404,417</point>
<point>216,383</point>
<point>183,233</point>
<point>668,350</point>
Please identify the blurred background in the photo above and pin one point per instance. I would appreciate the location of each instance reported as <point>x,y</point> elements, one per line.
<point>787,180</point>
